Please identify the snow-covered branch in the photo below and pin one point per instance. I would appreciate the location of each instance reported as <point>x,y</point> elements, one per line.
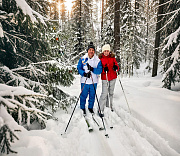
<point>15,99</point>
<point>172,38</point>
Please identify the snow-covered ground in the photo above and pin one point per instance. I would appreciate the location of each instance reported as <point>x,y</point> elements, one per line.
<point>154,106</point>
<point>151,130</point>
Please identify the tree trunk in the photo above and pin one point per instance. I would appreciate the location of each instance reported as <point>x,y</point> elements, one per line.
<point>157,39</point>
<point>147,32</point>
<point>117,30</point>
<point>102,15</point>
<point>80,35</point>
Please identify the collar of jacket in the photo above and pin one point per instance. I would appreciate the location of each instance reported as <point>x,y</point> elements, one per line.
<point>106,56</point>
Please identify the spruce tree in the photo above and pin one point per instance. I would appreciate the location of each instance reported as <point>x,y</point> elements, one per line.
<point>23,40</point>
<point>107,32</point>
<point>25,66</point>
<point>171,43</point>
<point>6,137</point>
<point>82,27</point>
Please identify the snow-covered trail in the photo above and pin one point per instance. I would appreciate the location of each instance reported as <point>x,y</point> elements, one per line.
<point>122,139</point>
<point>130,120</point>
<point>153,105</point>
<point>129,137</point>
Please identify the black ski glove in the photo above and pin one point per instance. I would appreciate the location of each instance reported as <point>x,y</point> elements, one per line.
<point>87,74</point>
<point>106,69</point>
<point>115,67</point>
<point>89,67</point>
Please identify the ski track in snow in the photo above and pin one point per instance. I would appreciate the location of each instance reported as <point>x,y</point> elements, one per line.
<point>129,137</point>
<point>132,139</point>
<point>155,106</point>
<point>126,140</point>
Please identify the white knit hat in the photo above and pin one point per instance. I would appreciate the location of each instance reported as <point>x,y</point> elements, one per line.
<point>106,47</point>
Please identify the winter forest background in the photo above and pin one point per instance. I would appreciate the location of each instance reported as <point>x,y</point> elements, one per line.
<point>42,40</point>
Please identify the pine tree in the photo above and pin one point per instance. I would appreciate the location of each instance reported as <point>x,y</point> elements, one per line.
<point>77,30</point>
<point>96,28</point>
<point>133,35</point>
<point>127,37</point>
<point>107,32</point>
<point>25,65</point>
<point>148,31</point>
<point>6,136</point>
<point>82,27</point>
<point>23,40</point>
<point>171,43</point>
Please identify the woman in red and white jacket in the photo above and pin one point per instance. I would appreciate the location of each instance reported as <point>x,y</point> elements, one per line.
<point>108,77</point>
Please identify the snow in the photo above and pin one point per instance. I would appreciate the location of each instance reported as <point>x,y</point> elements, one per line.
<point>171,39</point>
<point>28,11</point>
<point>155,106</point>
<point>152,129</point>
<point>6,91</point>
<point>1,31</point>
<point>7,119</point>
<point>175,58</point>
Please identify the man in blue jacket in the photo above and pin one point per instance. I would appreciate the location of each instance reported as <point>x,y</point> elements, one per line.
<point>89,67</point>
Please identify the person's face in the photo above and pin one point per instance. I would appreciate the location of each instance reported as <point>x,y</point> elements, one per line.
<point>106,52</point>
<point>91,52</point>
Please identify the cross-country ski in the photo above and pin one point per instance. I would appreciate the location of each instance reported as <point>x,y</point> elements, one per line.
<point>97,122</point>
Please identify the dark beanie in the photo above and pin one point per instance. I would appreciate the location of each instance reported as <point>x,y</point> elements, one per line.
<point>91,46</point>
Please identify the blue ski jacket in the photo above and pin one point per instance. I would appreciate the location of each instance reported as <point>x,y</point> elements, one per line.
<point>94,62</point>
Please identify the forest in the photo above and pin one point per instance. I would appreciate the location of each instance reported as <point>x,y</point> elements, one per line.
<point>41,42</point>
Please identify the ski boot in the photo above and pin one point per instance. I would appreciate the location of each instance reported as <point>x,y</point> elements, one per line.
<point>84,112</point>
<point>91,110</point>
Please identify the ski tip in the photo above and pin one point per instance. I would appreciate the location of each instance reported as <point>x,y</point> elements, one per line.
<point>90,129</point>
<point>100,129</point>
<point>107,136</point>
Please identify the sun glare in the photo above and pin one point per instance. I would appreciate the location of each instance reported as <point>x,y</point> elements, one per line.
<point>69,4</point>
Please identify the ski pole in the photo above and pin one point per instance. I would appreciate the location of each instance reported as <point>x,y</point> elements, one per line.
<point>108,98</point>
<point>75,106</point>
<point>99,108</point>
<point>123,90</point>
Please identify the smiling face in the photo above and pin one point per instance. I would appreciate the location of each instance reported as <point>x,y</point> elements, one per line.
<point>91,52</point>
<point>106,52</point>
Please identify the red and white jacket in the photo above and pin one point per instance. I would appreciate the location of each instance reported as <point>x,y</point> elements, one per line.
<point>108,61</point>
